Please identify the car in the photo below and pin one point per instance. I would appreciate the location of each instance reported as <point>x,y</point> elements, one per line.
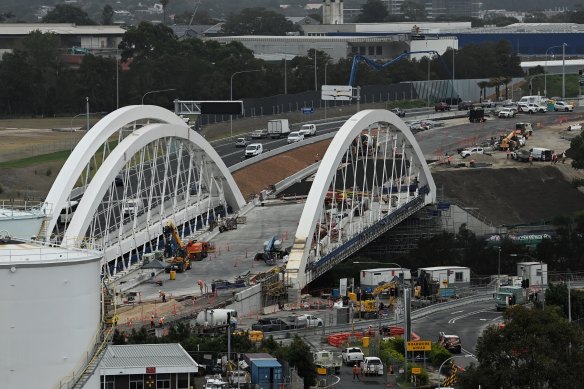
<point>132,206</point>
<point>260,134</point>
<point>270,324</point>
<point>521,155</point>
<point>465,105</point>
<point>488,104</point>
<point>253,150</point>
<point>308,129</point>
<point>399,112</point>
<point>522,107</point>
<point>471,150</point>
<point>450,343</point>
<point>563,106</point>
<point>536,108</point>
<point>241,142</point>
<point>441,106</point>
<point>575,127</point>
<point>506,113</point>
<point>295,136</point>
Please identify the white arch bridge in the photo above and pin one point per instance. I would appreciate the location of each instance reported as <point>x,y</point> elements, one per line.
<point>142,166</point>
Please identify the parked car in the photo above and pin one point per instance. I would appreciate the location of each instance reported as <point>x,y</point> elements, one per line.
<point>253,149</point>
<point>295,136</point>
<point>441,106</point>
<point>399,112</point>
<point>352,356</point>
<point>241,142</point>
<point>488,104</point>
<point>270,324</point>
<point>471,150</point>
<point>506,113</point>
<point>563,106</point>
<point>465,105</point>
<point>571,127</point>
<point>259,134</point>
<point>522,107</point>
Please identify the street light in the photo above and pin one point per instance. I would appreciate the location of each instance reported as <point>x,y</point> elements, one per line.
<point>156,91</point>
<point>540,275</point>
<point>545,67</point>
<point>231,92</point>
<point>564,70</point>
<point>452,357</point>
<point>499,269</point>
<point>406,327</point>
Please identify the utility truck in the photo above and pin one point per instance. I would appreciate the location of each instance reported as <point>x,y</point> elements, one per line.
<point>508,296</point>
<point>352,356</point>
<point>278,128</point>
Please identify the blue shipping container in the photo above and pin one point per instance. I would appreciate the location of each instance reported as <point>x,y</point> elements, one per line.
<point>266,373</point>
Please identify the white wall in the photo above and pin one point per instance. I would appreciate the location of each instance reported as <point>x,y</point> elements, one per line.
<point>49,317</point>
<point>439,45</point>
<point>248,301</point>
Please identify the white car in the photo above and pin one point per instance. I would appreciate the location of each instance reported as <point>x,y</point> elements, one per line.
<point>536,108</point>
<point>506,113</point>
<point>308,129</point>
<point>253,149</point>
<point>295,136</point>
<point>563,106</point>
<point>241,142</point>
<point>522,107</point>
<point>575,127</point>
<point>472,150</point>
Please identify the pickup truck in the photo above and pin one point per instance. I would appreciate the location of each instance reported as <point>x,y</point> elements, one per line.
<point>563,106</point>
<point>270,324</point>
<point>372,366</point>
<point>352,356</point>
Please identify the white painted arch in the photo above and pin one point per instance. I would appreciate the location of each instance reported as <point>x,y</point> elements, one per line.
<point>298,258</point>
<point>90,144</point>
<point>126,149</point>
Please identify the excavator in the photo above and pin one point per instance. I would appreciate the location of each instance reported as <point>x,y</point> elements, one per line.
<point>184,253</point>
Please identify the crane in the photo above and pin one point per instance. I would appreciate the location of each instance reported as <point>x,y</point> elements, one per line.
<point>379,66</point>
<point>196,8</point>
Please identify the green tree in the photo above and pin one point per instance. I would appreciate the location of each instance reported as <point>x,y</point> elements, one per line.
<point>483,87</point>
<point>299,355</point>
<point>147,41</point>
<point>107,15</point>
<point>65,13</point>
<point>373,11</point>
<point>577,151</point>
<point>535,349</point>
<point>557,294</point>
<point>258,21</point>
<point>413,10</point>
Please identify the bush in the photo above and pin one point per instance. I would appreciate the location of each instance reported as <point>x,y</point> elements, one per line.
<point>438,354</point>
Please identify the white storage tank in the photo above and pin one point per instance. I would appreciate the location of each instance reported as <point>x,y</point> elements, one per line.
<point>49,312</point>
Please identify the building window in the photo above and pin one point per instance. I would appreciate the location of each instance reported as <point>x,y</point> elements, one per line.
<point>136,381</point>
<point>378,50</point>
<point>362,50</point>
<point>371,50</point>
<point>458,276</point>
<point>163,381</point>
<point>108,382</point>
<point>182,380</point>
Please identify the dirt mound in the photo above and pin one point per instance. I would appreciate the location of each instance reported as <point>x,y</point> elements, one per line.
<point>511,195</point>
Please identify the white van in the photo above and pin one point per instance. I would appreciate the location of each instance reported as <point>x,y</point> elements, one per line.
<point>253,149</point>
<point>308,129</point>
<point>539,100</point>
<point>541,154</point>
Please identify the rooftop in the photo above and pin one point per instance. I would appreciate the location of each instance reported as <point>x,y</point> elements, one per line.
<point>58,28</point>
<point>169,356</point>
<point>20,252</point>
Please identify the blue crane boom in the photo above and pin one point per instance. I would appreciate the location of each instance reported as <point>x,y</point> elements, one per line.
<point>379,66</point>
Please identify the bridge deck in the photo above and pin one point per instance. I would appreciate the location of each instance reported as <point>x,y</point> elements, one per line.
<point>235,250</point>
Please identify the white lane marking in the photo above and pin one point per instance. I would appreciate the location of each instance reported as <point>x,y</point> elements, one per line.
<point>452,313</point>
<point>454,319</point>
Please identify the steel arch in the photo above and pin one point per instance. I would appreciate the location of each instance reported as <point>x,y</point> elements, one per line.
<point>90,144</point>
<point>129,146</point>
<point>298,258</point>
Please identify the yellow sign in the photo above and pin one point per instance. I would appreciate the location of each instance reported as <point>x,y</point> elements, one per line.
<point>419,345</point>
<point>416,370</point>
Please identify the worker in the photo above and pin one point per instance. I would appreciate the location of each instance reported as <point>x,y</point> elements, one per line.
<point>161,322</point>
<point>472,163</point>
<point>530,159</point>
<point>152,321</point>
<point>201,285</point>
<point>162,296</point>
<point>450,159</point>
<point>564,157</point>
<point>508,153</point>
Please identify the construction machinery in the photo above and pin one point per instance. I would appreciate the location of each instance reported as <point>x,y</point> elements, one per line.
<point>227,224</point>
<point>272,251</point>
<point>182,254</point>
<point>511,141</point>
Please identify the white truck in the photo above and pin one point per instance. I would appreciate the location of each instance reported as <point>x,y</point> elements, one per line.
<point>278,128</point>
<point>352,356</point>
<point>308,129</point>
<point>372,366</point>
<point>216,317</point>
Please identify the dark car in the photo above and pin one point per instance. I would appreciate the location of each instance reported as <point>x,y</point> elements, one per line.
<point>399,112</point>
<point>269,324</point>
<point>464,105</point>
<point>441,106</point>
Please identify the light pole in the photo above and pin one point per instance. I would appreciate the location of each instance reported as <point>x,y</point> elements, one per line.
<point>315,79</point>
<point>231,94</point>
<point>564,70</point>
<point>325,83</point>
<point>452,357</point>
<point>545,69</point>
<point>407,330</point>
<point>499,269</point>
<point>156,91</point>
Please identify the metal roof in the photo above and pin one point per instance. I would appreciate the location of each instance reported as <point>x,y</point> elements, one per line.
<point>146,355</point>
<point>58,28</point>
<point>266,363</point>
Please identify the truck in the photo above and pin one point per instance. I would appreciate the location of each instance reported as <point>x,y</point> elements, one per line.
<point>508,296</point>
<point>329,361</point>
<point>216,317</point>
<point>278,128</point>
<point>476,115</point>
<point>524,129</point>
<point>259,134</point>
<point>304,321</point>
<point>272,251</point>
<point>308,129</point>
<point>538,100</point>
<point>372,366</point>
<point>352,356</point>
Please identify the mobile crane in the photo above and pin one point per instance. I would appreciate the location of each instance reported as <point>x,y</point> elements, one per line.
<point>184,253</point>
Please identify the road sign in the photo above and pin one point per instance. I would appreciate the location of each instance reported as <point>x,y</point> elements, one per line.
<point>307,109</point>
<point>416,370</point>
<point>419,345</point>
<point>336,92</point>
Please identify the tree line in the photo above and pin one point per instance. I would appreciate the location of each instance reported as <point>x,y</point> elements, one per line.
<point>37,81</point>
